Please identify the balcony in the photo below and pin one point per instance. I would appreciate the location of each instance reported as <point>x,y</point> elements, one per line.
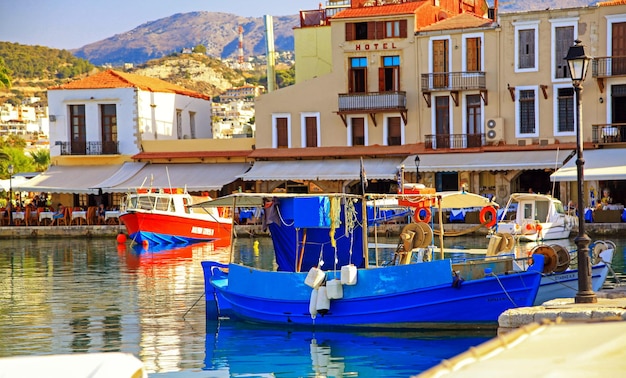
<point>610,133</point>
<point>454,141</point>
<point>454,82</point>
<point>372,103</point>
<point>89,148</point>
<point>607,66</point>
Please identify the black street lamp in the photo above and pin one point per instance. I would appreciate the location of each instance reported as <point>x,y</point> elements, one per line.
<point>578,62</point>
<point>10,207</point>
<point>417,168</point>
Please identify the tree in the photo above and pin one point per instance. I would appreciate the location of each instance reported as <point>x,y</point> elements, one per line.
<point>200,49</point>
<point>5,75</point>
<point>41,159</point>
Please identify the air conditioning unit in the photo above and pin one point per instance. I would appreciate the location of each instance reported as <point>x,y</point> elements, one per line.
<point>546,141</point>
<point>525,142</point>
<point>52,118</point>
<point>494,130</point>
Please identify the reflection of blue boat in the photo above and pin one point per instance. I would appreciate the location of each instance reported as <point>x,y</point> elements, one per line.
<point>237,349</point>
<point>429,293</point>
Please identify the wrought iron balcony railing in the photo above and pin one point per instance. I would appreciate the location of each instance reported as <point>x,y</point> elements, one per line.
<point>372,101</point>
<point>608,133</point>
<point>608,66</point>
<point>433,142</point>
<point>453,81</point>
<point>89,148</point>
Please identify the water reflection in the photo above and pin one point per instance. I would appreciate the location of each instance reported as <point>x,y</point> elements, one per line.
<point>241,350</point>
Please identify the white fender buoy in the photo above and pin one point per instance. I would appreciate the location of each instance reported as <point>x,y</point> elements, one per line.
<point>314,278</point>
<point>348,274</point>
<point>323,303</point>
<point>313,304</point>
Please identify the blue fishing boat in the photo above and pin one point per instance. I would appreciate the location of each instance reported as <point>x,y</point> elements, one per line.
<point>324,277</point>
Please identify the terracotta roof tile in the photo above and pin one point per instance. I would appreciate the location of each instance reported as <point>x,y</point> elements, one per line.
<point>317,152</point>
<point>461,21</point>
<point>611,3</point>
<point>191,154</point>
<point>115,79</point>
<point>381,10</point>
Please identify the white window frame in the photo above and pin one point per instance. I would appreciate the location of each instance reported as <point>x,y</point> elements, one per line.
<point>464,50</point>
<point>464,116</point>
<point>303,117</point>
<point>386,128</point>
<point>610,20</point>
<point>433,117</point>
<point>518,133</point>
<point>559,23</point>
<point>275,132</point>
<point>555,90</point>
<point>365,129</point>
<point>525,25</point>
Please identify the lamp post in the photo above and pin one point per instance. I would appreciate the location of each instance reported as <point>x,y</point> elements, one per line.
<point>417,169</point>
<point>578,62</point>
<point>10,170</point>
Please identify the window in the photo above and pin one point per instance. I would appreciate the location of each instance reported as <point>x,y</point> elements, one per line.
<point>394,131</point>
<point>372,30</point>
<point>358,131</point>
<point>473,54</point>
<point>282,132</point>
<point>310,129</point>
<point>77,129</point>
<point>565,110</point>
<point>442,121</point>
<point>526,48</point>
<point>108,113</point>
<point>192,124</point>
<point>358,75</point>
<point>527,115</point>
<point>563,39</point>
<point>473,117</point>
<point>179,124</point>
<point>389,74</point>
<point>440,63</point>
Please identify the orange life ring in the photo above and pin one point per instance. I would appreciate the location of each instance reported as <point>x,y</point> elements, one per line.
<point>489,223</point>
<point>529,228</point>
<point>426,218</point>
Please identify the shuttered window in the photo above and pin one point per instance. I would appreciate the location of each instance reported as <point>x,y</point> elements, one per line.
<point>358,131</point>
<point>526,53</point>
<point>473,54</point>
<point>565,109</point>
<point>564,37</point>
<point>376,30</point>
<point>394,131</point>
<point>282,132</point>
<point>311,131</point>
<point>527,111</point>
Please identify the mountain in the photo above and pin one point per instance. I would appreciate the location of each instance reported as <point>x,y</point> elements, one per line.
<point>218,32</point>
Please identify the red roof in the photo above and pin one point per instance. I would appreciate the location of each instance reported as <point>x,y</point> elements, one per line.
<point>192,154</point>
<point>316,152</point>
<point>461,21</point>
<point>114,79</point>
<point>380,10</point>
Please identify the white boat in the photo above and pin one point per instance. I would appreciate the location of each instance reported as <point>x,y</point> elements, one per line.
<point>533,217</point>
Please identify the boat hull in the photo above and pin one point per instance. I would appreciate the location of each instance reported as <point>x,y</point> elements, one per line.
<point>170,228</point>
<point>406,296</point>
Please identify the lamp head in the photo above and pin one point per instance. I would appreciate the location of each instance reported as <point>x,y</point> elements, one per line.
<point>577,62</point>
<point>10,169</point>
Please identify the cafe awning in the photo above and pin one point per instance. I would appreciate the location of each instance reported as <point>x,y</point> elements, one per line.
<point>605,164</point>
<point>487,161</point>
<point>194,177</point>
<point>328,169</point>
<point>81,179</point>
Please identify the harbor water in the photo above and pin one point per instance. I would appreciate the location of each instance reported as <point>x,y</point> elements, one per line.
<point>64,296</point>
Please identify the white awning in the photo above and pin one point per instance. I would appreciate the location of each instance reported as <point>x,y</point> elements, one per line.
<point>335,169</point>
<point>194,177</point>
<point>487,161</point>
<point>605,164</point>
<point>69,179</point>
<point>128,170</point>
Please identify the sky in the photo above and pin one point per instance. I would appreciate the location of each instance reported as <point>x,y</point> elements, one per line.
<point>70,24</point>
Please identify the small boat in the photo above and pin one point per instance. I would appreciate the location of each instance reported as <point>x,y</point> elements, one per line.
<point>533,217</point>
<point>324,277</point>
<point>165,216</point>
<point>559,280</point>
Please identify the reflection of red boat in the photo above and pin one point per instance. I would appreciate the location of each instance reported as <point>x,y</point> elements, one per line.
<point>166,217</point>
<point>154,260</point>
